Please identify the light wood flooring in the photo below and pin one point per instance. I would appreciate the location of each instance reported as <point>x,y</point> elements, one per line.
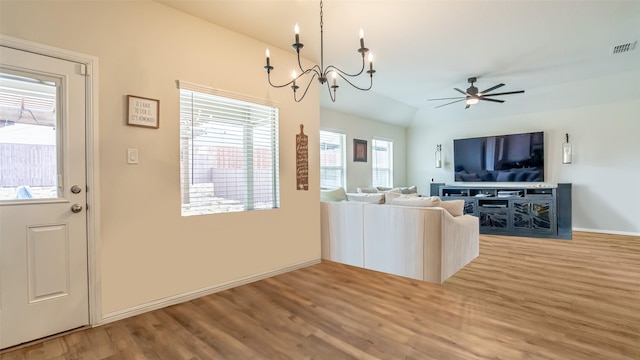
<point>520,299</point>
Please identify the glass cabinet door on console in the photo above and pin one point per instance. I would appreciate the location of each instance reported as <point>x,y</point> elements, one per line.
<point>533,215</point>
<point>469,207</point>
<point>493,214</point>
<point>494,219</point>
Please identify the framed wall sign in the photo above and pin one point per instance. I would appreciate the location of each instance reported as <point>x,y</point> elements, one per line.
<point>143,112</point>
<point>359,150</point>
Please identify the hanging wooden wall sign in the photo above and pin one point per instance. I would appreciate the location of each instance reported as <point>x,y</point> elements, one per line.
<point>302,160</point>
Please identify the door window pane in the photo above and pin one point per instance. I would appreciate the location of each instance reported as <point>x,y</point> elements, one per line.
<point>28,150</point>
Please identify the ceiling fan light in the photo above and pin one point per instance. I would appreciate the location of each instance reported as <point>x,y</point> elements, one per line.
<point>472,101</point>
<point>471,96</point>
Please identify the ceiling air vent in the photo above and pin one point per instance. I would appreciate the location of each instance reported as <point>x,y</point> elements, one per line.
<point>623,48</point>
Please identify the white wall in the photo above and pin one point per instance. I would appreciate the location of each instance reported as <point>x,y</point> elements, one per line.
<point>148,251</point>
<point>359,174</point>
<point>606,164</point>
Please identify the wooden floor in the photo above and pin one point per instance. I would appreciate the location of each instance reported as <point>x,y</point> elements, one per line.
<point>520,299</point>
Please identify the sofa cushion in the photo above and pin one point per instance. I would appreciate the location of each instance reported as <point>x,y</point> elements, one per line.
<point>408,200</point>
<point>404,190</point>
<point>337,194</point>
<point>377,198</point>
<point>454,207</point>
<point>370,190</point>
<point>390,195</point>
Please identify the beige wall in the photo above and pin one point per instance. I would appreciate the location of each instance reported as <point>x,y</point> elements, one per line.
<point>359,174</point>
<point>148,251</point>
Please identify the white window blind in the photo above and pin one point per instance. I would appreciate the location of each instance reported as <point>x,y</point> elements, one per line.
<point>332,159</point>
<point>382,162</point>
<point>228,152</point>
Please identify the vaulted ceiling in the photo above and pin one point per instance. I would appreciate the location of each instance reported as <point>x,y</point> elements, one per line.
<point>423,49</point>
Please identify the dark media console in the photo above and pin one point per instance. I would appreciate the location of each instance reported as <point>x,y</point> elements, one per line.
<point>531,211</point>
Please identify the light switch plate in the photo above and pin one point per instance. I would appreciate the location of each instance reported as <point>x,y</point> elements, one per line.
<point>132,156</point>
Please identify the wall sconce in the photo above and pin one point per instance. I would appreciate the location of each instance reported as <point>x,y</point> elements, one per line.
<point>438,156</point>
<point>566,151</point>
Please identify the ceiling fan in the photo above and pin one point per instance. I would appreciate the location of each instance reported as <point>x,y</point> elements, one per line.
<point>472,95</point>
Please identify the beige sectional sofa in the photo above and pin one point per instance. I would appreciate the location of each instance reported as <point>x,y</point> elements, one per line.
<point>423,243</point>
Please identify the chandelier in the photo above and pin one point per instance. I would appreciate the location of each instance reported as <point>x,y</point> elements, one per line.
<point>321,72</point>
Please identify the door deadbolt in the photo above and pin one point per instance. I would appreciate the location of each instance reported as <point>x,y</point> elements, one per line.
<point>76,208</point>
<point>76,189</point>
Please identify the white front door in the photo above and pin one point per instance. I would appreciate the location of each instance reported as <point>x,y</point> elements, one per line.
<point>43,221</point>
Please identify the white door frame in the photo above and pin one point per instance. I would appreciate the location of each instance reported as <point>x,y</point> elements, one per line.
<point>92,166</point>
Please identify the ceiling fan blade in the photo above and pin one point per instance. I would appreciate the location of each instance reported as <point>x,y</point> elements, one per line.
<point>491,88</point>
<point>460,91</point>
<point>493,100</point>
<point>453,102</point>
<point>506,93</point>
<point>452,98</point>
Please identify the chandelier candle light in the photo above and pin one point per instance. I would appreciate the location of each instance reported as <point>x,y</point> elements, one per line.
<point>319,71</point>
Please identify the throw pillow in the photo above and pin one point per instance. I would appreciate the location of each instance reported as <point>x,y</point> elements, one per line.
<point>409,190</point>
<point>454,207</point>
<point>382,188</point>
<point>409,200</point>
<point>368,198</point>
<point>336,194</point>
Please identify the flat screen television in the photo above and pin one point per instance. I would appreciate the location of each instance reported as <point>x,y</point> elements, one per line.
<point>500,158</point>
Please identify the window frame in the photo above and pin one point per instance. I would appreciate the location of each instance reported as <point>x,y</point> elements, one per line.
<point>254,126</point>
<point>343,159</point>
<point>374,157</point>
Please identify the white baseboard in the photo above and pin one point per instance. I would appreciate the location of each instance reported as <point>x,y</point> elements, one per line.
<point>180,298</point>
<point>607,231</point>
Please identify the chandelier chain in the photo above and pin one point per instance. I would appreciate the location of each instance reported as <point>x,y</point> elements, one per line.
<point>321,13</point>
<point>322,69</point>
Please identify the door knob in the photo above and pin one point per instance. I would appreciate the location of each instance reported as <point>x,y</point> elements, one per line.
<point>76,208</point>
<point>76,189</point>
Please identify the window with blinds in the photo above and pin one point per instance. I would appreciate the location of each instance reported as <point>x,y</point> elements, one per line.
<point>228,152</point>
<point>382,162</point>
<point>332,159</point>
